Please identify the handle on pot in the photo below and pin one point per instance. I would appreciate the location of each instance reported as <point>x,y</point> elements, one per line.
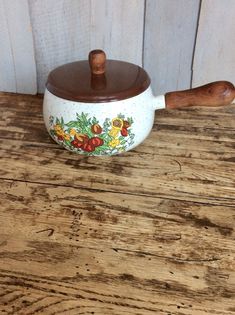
<point>97,59</point>
<point>217,93</point>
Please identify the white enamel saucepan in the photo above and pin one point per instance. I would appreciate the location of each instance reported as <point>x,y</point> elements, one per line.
<point>106,107</point>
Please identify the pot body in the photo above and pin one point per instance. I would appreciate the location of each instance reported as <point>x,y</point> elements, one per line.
<point>99,128</point>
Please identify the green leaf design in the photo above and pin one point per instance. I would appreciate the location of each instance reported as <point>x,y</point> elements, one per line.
<point>72,124</point>
<point>121,116</point>
<point>52,132</point>
<point>51,120</point>
<point>130,120</point>
<point>67,142</point>
<point>62,121</point>
<point>94,121</point>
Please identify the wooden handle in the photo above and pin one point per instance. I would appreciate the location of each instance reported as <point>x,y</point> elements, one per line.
<point>217,93</point>
<point>97,60</point>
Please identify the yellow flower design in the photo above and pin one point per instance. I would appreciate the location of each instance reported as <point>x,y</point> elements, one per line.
<point>117,124</point>
<point>114,143</point>
<point>72,132</point>
<point>57,128</point>
<point>59,131</point>
<point>66,136</point>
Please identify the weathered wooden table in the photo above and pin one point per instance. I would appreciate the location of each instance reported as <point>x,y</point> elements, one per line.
<point>146,232</point>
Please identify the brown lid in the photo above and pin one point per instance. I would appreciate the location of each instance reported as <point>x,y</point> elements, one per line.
<point>97,80</point>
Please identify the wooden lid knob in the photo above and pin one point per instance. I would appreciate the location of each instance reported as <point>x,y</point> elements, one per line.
<point>97,60</point>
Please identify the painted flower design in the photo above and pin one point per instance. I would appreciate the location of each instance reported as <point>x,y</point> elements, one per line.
<point>114,143</point>
<point>87,136</point>
<point>117,124</point>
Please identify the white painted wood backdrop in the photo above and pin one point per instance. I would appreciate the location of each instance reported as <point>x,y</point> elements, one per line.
<point>181,43</point>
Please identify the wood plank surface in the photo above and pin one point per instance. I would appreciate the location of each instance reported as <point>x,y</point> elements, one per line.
<point>170,30</point>
<point>147,232</point>
<point>215,50</point>
<point>66,30</point>
<point>17,62</point>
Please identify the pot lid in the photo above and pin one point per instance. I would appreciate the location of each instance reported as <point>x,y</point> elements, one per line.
<point>97,80</point>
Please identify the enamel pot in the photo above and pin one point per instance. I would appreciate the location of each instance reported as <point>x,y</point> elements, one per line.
<point>106,107</point>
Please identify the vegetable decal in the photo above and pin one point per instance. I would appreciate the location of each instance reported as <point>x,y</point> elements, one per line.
<point>96,129</point>
<point>85,135</point>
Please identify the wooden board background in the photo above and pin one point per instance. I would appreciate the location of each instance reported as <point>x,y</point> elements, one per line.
<point>215,49</point>
<point>181,43</point>
<point>150,232</point>
<point>17,61</point>
<point>170,29</point>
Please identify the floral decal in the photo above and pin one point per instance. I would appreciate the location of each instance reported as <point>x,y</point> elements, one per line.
<point>85,134</point>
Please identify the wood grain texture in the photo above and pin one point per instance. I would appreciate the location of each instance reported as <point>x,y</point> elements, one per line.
<point>17,63</point>
<point>147,232</point>
<point>215,50</point>
<point>219,93</point>
<point>66,30</point>
<point>170,28</point>
<point>97,60</point>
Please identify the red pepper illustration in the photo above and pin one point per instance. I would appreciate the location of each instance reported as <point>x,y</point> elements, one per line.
<point>96,141</point>
<point>60,138</point>
<point>124,132</point>
<point>77,144</point>
<point>96,129</point>
<point>126,124</point>
<point>88,147</point>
